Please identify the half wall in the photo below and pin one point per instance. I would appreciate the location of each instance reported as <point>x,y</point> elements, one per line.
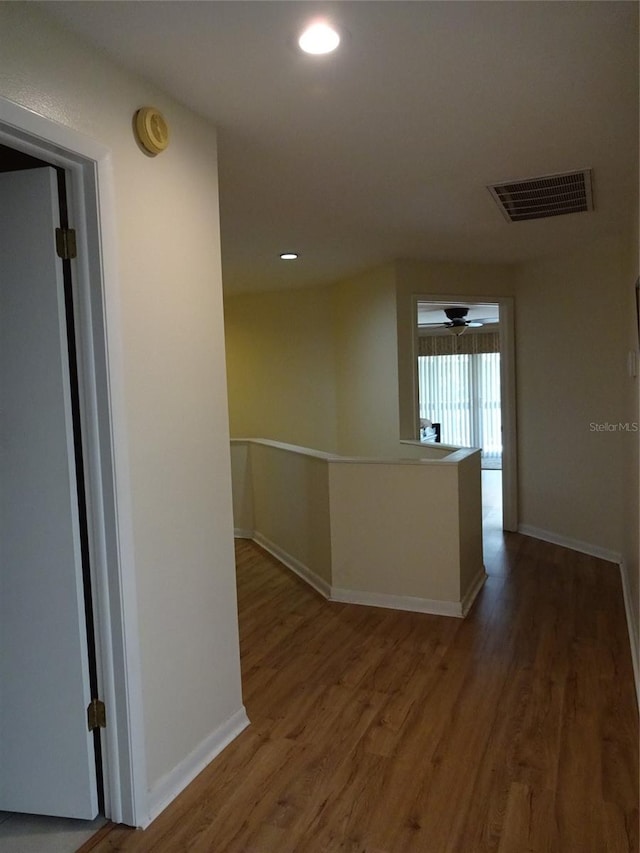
<point>398,533</point>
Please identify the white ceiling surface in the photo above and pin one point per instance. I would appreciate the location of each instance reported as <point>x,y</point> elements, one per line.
<point>383,150</point>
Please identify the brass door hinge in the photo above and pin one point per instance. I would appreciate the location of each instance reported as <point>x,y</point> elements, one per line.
<point>96,715</point>
<point>66,243</point>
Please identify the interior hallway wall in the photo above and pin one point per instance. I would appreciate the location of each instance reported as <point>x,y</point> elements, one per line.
<point>631,451</point>
<point>281,367</point>
<point>364,310</point>
<point>169,283</point>
<point>570,373</point>
<point>571,317</point>
<point>316,367</point>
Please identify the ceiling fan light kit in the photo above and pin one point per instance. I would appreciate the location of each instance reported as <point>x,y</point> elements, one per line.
<point>456,320</point>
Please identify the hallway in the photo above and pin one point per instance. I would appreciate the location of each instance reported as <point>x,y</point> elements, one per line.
<point>378,730</point>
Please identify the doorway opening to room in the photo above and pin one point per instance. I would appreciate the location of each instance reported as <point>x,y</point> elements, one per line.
<point>459,377</point>
<point>50,587</point>
<point>40,304</point>
<point>461,380</point>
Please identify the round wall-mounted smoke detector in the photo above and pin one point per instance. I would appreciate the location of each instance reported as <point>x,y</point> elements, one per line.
<point>152,130</point>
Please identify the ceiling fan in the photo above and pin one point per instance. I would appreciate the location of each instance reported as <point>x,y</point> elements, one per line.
<point>456,320</point>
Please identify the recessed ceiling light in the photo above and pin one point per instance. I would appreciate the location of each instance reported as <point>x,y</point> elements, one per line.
<point>289,256</point>
<point>319,38</point>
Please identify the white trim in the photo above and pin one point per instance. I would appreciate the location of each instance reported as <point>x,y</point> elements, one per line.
<point>282,445</point>
<point>308,575</point>
<point>173,783</point>
<point>450,453</point>
<point>104,434</point>
<point>241,533</point>
<point>121,606</point>
<point>412,604</point>
<point>508,411</point>
<point>572,544</point>
<point>435,607</point>
<point>472,593</point>
<point>632,629</point>
<point>42,137</point>
<point>398,602</point>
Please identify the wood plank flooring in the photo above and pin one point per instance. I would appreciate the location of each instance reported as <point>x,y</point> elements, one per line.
<point>375,731</point>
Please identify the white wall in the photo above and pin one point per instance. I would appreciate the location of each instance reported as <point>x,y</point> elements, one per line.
<point>173,358</point>
<point>242,487</point>
<point>571,313</point>
<point>571,355</point>
<point>291,504</point>
<point>390,533</point>
<point>395,530</point>
<point>631,461</point>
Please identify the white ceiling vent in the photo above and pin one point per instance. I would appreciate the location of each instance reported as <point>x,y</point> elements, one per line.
<point>550,195</point>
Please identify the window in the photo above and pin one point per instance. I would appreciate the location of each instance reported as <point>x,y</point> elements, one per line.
<point>462,393</point>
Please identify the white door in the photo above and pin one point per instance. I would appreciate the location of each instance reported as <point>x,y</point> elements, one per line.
<point>47,761</point>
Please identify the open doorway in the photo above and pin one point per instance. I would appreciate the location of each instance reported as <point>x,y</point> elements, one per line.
<point>459,376</point>
<point>459,386</point>
<point>86,166</point>
<point>48,635</point>
<point>465,388</point>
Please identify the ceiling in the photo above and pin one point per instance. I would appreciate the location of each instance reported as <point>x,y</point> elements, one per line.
<point>384,149</point>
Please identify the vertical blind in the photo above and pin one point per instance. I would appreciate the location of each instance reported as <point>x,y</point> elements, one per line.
<point>462,393</point>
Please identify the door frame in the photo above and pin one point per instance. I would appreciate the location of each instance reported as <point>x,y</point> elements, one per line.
<point>88,169</point>
<point>506,334</point>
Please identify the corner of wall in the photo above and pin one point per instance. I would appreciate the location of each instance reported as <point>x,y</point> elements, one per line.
<point>632,627</point>
<point>166,789</point>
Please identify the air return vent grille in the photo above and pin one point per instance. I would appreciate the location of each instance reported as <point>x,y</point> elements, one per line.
<point>551,195</point>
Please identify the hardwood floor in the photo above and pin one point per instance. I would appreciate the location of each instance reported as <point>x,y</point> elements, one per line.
<point>376,731</point>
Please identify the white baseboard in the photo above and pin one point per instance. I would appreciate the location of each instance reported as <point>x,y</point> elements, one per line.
<point>240,533</point>
<point>476,585</point>
<point>572,544</point>
<point>632,627</point>
<point>409,603</point>
<point>173,783</point>
<point>434,607</point>
<point>319,584</point>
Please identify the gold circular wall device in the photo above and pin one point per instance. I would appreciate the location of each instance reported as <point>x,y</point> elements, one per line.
<point>152,130</point>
